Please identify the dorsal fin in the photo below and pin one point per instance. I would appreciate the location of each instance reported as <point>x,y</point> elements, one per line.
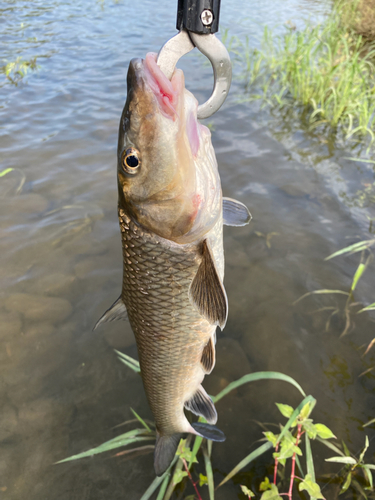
<point>235,213</point>
<point>208,356</point>
<point>115,312</point>
<point>201,404</point>
<point>207,291</point>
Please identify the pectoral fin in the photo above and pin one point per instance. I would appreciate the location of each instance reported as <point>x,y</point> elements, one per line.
<point>201,404</point>
<point>165,450</point>
<point>235,213</point>
<point>115,312</point>
<point>207,291</point>
<point>208,356</point>
<point>208,431</point>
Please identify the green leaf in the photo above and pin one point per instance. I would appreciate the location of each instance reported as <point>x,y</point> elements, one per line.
<point>346,449</point>
<point>310,428</point>
<point>272,494</point>
<point>361,456</point>
<point>357,247</point>
<point>128,361</point>
<point>369,423</point>
<point>324,432</point>
<point>368,474</point>
<point>305,412</point>
<point>320,292</point>
<point>252,377</point>
<point>140,420</point>
<point>179,476</point>
<point>271,437</point>
<point>331,446</point>
<point>342,460</point>
<point>285,410</point>
<point>129,437</point>
<point>346,485</point>
<point>185,452</point>
<point>246,491</point>
<point>252,456</point>
<point>357,276</point>
<point>312,488</point>
<point>309,461</point>
<point>371,307</point>
<point>265,485</point>
<point>197,444</point>
<point>6,171</point>
<point>202,479</point>
<point>307,399</point>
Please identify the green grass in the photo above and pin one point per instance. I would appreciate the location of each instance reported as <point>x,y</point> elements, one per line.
<point>325,71</point>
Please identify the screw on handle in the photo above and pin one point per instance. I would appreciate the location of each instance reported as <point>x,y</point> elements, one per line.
<point>198,16</point>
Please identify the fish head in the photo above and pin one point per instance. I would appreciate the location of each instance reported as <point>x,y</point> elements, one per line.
<point>167,172</point>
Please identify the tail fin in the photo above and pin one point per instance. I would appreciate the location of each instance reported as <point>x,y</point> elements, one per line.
<point>208,431</point>
<point>165,450</point>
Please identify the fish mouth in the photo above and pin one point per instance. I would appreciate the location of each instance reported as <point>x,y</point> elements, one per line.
<point>167,92</point>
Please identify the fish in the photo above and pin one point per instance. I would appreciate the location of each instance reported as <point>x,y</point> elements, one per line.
<point>171,214</point>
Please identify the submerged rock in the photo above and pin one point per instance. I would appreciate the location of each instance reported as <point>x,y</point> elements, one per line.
<point>39,307</point>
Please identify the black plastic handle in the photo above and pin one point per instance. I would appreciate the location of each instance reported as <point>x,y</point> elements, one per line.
<point>191,15</point>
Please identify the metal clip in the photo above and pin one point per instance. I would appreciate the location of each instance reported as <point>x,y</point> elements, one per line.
<point>214,50</point>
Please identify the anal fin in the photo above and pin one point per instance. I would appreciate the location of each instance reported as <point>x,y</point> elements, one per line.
<point>208,356</point>
<point>165,450</point>
<point>207,290</point>
<point>201,404</point>
<point>117,311</point>
<point>235,213</point>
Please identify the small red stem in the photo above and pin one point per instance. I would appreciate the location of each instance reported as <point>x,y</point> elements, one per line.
<point>191,479</point>
<point>292,476</point>
<point>276,462</point>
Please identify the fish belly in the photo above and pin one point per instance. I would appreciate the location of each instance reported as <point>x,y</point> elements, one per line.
<point>169,331</point>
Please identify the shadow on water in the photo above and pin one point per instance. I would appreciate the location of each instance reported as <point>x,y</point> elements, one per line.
<point>62,389</point>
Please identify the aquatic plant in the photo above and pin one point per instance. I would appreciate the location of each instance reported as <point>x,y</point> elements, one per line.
<point>326,71</point>
<point>299,427</point>
<point>364,247</point>
<point>15,71</point>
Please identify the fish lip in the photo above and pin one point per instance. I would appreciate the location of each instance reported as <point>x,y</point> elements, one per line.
<point>166,92</point>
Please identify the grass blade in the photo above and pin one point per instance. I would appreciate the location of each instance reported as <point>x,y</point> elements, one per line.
<point>140,420</point>
<point>128,361</point>
<point>154,486</point>
<point>105,447</point>
<point>252,377</point>
<point>320,292</point>
<point>309,460</point>
<point>371,307</point>
<point>331,446</point>
<point>252,456</point>
<point>356,247</point>
<point>197,444</point>
<point>209,474</point>
<point>163,487</point>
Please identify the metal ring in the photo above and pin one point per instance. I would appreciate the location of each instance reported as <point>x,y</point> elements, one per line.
<point>214,50</point>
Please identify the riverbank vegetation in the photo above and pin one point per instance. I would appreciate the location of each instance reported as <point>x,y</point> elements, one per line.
<point>325,71</point>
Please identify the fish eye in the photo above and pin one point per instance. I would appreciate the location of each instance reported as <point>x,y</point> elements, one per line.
<point>130,161</point>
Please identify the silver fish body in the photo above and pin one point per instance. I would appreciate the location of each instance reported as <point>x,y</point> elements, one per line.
<point>171,215</point>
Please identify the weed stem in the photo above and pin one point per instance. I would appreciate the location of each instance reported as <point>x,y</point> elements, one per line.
<point>292,476</point>
<point>191,479</point>
<point>275,469</point>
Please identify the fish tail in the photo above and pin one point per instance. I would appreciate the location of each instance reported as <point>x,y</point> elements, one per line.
<point>165,450</point>
<point>208,431</point>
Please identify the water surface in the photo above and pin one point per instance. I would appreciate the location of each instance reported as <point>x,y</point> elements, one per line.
<point>62,389</point>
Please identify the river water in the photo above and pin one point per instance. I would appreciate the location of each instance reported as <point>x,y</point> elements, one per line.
<point>62,389</point>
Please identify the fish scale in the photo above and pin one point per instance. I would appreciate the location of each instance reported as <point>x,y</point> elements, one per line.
<point>157,275</point>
